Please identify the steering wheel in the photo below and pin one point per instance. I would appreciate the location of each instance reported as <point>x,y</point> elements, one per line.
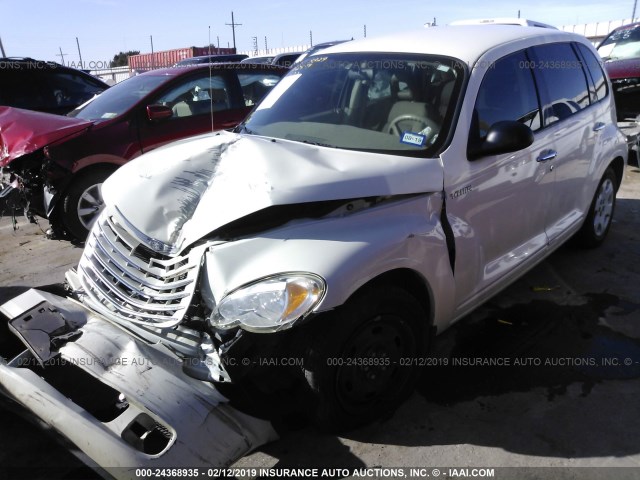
<point>408,123</point>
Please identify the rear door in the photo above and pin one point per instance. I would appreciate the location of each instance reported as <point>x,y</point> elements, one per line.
<point>571,123</point>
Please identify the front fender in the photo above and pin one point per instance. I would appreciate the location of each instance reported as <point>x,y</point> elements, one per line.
<point>347,251</point>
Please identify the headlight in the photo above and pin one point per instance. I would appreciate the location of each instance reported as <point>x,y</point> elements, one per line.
<point>270,304</point>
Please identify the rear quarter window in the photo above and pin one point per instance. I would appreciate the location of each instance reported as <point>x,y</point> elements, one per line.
<point>594,67</point>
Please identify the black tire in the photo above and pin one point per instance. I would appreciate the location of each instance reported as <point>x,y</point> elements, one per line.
<point>598,221</point>
<point>82,202</point>
<point>358,366</point>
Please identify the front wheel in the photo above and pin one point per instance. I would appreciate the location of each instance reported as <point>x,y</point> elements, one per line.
<point>360,365</point>
<point>83,202</point>
<point>598,221</point>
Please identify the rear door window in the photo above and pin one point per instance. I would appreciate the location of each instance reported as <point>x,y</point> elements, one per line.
<point>560,70</point>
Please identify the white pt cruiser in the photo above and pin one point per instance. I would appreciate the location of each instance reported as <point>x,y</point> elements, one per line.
<point>382,190</point>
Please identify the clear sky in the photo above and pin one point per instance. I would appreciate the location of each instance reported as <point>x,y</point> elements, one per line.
<point>38,28</point>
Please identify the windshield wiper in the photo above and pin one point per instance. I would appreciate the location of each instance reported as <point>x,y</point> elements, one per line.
<point>242,128</point>
<point>320,144</point>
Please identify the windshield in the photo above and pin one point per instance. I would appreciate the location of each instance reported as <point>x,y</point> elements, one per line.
<point>375,102</point>
<point>621,44</point>
<point>119,98</point>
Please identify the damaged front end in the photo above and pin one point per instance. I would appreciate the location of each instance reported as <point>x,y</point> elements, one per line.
<point>27,173</point>
<point>121,400</point>
<point>219,263</point>
<point>32,183</point>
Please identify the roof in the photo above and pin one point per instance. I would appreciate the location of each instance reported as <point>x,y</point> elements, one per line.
<point>627,26</point>
<point>453,41</point>
<point>12,61</point>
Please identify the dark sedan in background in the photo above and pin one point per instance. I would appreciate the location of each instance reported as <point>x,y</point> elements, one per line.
<point>45,86</point>
<point>57,164</point>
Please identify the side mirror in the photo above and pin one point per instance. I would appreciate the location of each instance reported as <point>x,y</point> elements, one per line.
<point>503,137</point>
<point>158,112</point>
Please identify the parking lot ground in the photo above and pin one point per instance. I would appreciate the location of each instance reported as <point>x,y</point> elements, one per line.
<point>547,374</point>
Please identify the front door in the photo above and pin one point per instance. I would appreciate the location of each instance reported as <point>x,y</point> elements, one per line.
<point>200,104</point>
<point>497,204</point>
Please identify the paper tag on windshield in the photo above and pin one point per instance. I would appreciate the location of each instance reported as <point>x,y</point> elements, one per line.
<point>411,138</point>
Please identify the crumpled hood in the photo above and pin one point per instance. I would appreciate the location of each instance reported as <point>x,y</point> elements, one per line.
<point>182,192</point>
<point>25,131</point>
<point>629,68</point>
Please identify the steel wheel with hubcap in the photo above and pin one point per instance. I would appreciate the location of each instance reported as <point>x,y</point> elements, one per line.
<point>598,221</point>
<point>359,366</point>
<point>83,202</point>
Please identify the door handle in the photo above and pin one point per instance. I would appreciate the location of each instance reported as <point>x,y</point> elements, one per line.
<point>598,126</point>
<point>546,155</point>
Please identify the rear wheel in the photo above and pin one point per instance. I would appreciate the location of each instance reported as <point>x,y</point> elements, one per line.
<point>359,367</point>
<point>83,202</point>
<point>598,221</point>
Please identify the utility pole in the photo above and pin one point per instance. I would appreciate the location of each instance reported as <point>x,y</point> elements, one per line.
<point>79,54</point>
<point>233,26</point>
<point>218,38</point>
<point>266,48</point>
<point>311,38</point>
<point>2,48</point>
<point>255,45</point>
<point>153,59</point>
<point>633,15</point>
<point>61,55</point>
<point>365,31</point>
<point>518,13</point>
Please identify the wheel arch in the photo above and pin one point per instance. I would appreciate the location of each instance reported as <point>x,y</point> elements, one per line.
<point>409,280</point>
<point>63,186</point>
<point>97,161</point>
<point>617,164</point>
<point>88,170</point>
<point>67,205</point>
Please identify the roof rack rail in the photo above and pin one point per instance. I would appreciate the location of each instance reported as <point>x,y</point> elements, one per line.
<point>503,21</point>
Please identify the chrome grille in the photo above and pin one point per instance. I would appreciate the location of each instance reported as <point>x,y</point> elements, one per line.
<point>130,280</point>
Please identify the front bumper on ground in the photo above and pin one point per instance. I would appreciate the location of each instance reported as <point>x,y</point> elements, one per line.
<point>125,403</point>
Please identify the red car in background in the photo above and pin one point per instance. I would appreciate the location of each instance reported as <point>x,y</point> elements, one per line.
<point>620,51</point>
<point>57,164</point>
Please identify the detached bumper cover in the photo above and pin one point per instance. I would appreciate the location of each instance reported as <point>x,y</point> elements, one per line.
<point>149,413</point>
